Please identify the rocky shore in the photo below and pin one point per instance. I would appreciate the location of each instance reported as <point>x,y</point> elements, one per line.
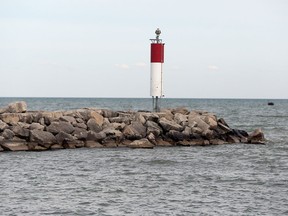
<point>22,130</point>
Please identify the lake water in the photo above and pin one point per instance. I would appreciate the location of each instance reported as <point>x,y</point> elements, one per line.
<point>233,179</point>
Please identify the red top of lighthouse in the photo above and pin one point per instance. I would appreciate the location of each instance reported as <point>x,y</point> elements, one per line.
<point>157,48</point>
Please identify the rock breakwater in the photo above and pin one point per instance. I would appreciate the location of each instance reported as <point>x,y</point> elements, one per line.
<point>22,130</point>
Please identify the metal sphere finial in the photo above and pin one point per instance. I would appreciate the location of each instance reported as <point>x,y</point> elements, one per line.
<point>158,32</point>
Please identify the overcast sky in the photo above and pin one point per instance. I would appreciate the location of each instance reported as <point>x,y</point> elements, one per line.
<point>101,48</point>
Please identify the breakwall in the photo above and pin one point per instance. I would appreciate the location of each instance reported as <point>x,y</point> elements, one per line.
<point>23,130</point>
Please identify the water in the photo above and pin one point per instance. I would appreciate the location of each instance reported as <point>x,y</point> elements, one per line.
<point>218,180</point>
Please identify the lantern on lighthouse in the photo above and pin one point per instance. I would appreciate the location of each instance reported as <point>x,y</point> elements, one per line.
<point>156,76</point>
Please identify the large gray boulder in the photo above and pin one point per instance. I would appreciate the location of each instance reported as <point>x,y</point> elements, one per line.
<point>36,126</point>
<point>91,135</point>
<point>93,125</point>
<point>62,137</point>
<point>80,133</point>
<point>181,119</point>
<point>170,125</point>
<point>8,134</point>
<point>20,131</point>
<point>135,130</point>
<point>181,110</point>
<point>42,137</point>
<point>17,107</point>
<point>69,119</point>
<point>153,127</point>
<point>56,127</point>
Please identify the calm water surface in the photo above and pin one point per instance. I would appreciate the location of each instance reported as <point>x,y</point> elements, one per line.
<point>234,179</point>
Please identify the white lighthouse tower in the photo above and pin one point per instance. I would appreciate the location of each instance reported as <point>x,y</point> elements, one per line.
<point>156,77</point>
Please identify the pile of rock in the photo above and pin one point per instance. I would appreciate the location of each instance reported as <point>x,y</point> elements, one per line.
<point>95,128</point>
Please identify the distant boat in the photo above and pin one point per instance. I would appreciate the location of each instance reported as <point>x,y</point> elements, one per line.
<point>270,104</point>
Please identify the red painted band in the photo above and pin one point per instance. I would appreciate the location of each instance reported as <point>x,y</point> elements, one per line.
<point>157,52</point>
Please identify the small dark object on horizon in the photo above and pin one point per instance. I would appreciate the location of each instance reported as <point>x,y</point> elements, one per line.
<point>270,103</point>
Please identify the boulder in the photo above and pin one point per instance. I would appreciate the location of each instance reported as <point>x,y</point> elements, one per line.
<point>8,134</point>
<point>93,125</point>
<point>150,116</point>
<point>92,135</point>
<point>81,125</point>
<point>56,127</point>
<point>187,131</point>
<point>23,125</point>
<point>142,143</point>
<point>10,118</point>
<point>79,120</point>
<point>153,127</point>
<point>93,144</point>
<point>232,139</point>
<point>20,131</point>
<point>217,142</point>
<point>62,137</point>
<point>50,117</point>
<point>181,119</point>
<point>109,143</point>
<point>112,133</point>
<point>211,121</point>
<point>42,137</point>
<point>176,135</point>
<point>69,145</point>
<point>134,131</point>
<point>80,133</point>
<point>35,147</point>
<point>97,117</point>
<point>243,135</point>
<point>224,128</point>
<point>26,117</point>
<point>78,143</point>
<point>256,137</point>
<point>109,113</point>
<point>69,119</point>
<point>17,107</point>
<point>170,125</point>
<point>36,126</point>
<point>151,137</point>
<point>180,110</point>
<point>116,126</point>
<point>196,130</point>
<point>120,119</point>
<point>15,146</point>
<point>140,118</point>
<point>3,126</point>
<point>163,143</point>
<point>192,118</point>
<point>167,114</point>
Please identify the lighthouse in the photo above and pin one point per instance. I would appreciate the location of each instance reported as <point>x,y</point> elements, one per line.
<point>156,74</point>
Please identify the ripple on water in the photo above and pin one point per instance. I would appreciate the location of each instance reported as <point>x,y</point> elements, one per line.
<point>221,180</point>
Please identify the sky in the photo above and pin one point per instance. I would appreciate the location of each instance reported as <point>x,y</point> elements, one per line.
<point>101,48</point>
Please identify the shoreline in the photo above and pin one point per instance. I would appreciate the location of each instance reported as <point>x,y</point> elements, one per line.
<point>22,130</point>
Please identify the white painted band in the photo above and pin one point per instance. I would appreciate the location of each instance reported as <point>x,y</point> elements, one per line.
<point>156,82</point>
